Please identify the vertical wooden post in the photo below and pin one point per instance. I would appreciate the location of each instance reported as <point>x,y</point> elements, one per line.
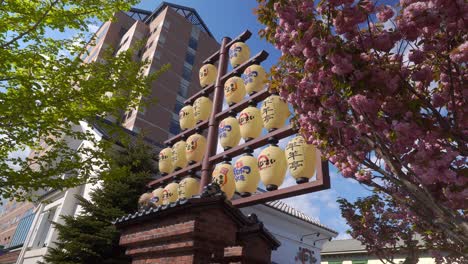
<point>212,139</point>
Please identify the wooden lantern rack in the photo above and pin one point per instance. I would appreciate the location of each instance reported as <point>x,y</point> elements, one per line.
<point>322,179</point>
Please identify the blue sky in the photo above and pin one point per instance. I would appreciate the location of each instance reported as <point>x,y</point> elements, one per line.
<point>230,18</point>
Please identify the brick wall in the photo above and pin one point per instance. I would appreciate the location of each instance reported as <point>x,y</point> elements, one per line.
<point>198,231</point>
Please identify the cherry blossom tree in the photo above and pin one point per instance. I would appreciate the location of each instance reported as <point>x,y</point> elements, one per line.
<point>381,90</point>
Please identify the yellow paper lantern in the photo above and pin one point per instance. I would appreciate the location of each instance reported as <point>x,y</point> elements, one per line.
<point>223,175</point>
<point>207,75</point>
<point>301,158</point>
<point>250,123</point>
<point>272,166</point>
<point>202,108</point>
<point>144,202</point>
<point>229,132</point>
<point>195,148</point>
<point>275,112</point>
<point>239,53</point>
<point>179,158</point>
<point>188,187</point>
<point>234,90</point>
<point>157,196</point>
<point>165,161</point>
<point>186,117</point>
<point>254,78</point>
<point>246,175</point>
<point>170,193</point>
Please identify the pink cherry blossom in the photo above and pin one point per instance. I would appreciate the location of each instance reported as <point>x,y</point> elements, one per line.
<point>385,13</point>
<point>360,88</point>
<point>460,54</point>
<point>416,56</point>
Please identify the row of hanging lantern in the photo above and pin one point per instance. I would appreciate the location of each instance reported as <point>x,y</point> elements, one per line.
<point>239,53</point>
<point>235,88</point>
<point>172,192</point>
<point>189,115</point>
<point>182,153</point>
<point>269,167</point>
<point>248,125</point>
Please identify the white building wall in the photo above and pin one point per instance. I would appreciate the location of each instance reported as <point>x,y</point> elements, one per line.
<point>289,231</point>
<point>372,260</point>
<point>42,234</point>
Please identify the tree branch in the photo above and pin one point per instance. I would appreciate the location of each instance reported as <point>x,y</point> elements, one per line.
<point>32,28</point>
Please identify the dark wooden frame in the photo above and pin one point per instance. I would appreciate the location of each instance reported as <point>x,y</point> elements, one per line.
<point>322,179</point>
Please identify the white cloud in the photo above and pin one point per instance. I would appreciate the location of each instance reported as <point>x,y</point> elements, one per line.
<point>283,142</point>
<point>389,24</point>
<point>311,203</point>
<point>93,28</point>
<point>304,204</point>
<point>343,235</point>
<point>21,153</point>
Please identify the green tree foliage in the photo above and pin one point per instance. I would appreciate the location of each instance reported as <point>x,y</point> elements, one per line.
<point>90,237</point>
<point>41,105</point>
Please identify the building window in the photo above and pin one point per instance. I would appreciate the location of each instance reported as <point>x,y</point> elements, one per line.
<point>123,42</point>
<point>183,89</point>
<point>162,39</point>
<point>187,74</point>
<point>142,109</point>
<point>43,229</point>
<point>149,45</point>
<point>193,43</point>
<point>178,105</point>
<point>174,127</point>
<point>136,129</point>
<point>359,261</point>
<point>155,29</point>
<point>190,58</point>
<point>166,24</point>
<point>195,32</point>
<point>157,55</point>
<point>122,32</point>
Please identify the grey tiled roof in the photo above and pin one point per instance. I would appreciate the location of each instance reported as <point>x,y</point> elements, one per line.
<point>342,246</point>
<point>349,246</point>
<point>287,209</point>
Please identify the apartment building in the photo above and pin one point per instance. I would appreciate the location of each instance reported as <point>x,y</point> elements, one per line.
<point>172,34</point>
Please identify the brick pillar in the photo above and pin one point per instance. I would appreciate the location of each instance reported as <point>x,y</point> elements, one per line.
<point>205,229</point>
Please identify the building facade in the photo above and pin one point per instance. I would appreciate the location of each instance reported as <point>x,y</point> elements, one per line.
<point>173,35</point>
<point>352,251</point>
<point>301,236</point>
